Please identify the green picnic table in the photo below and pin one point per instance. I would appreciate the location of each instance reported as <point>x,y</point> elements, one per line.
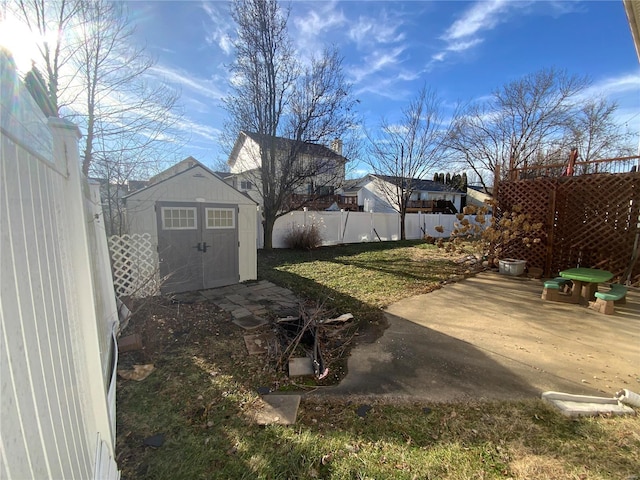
<point>585,282</point>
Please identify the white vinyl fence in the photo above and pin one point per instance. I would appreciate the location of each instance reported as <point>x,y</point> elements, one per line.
<point>57,305</point>
<point>358,227</point>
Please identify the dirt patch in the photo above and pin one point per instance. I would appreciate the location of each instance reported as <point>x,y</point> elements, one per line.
<point>167,327</point>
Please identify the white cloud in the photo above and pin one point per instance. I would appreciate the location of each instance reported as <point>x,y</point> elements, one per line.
<point>482,16</point>
<point>625,83</point>
<point>463,45</point>
<point>221,27</point>
<point>198,129</point>
<point>377,61</point>
<point>316,22</point>
<point>187,81</point>
<point>313,26</point>
<point>466,32</point>
<point>368,30</point>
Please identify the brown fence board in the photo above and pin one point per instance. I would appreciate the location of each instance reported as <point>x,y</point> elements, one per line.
<point>589,220</point>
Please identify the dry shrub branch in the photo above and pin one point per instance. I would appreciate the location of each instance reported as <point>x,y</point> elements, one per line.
<point>491,236</point>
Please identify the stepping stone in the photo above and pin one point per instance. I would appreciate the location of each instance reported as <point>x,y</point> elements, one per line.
<point>278,409</point>
<point>250,323</point>
<point>257,344</point>
<point>300,366</point>
<point>584,405</point>
<point>235,298</point>
<point>240,312</point>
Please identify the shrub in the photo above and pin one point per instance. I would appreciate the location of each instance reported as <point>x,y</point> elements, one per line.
<point>492,237</point>
<point>303,237</point>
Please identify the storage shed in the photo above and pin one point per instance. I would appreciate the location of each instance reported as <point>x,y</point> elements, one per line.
<point>203,228</point>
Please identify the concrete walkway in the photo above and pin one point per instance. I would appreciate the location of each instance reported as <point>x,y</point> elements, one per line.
<point>492,337</point>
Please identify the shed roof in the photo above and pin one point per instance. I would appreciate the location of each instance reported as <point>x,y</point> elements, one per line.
<point>198,166</point>
<point>419,184</point>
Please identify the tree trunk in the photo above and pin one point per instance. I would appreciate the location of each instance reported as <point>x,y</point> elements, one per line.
<point>403,235</point>
<point>269,222</point>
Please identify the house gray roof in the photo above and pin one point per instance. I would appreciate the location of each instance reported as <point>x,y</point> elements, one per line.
<point>352,185</point>
<point>313,149</point>
<point>419,184</point>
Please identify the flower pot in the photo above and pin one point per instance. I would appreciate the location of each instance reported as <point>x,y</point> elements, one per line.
<point>511,266</point>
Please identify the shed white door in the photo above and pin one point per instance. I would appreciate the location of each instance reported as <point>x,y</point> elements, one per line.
<point>197,245</point>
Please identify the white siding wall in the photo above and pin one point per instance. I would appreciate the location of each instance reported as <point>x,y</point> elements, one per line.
<point>380,198</point>
<point>375,198</point>
<point>196,185</point>
<point>57,309</point>
<point>248,157</point>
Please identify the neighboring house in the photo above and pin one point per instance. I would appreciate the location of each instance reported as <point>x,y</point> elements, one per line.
<point>204,230</point>
<point>111,197</point>
<point>376,193</point>
<point>477,196</point>
<point>245,163</point>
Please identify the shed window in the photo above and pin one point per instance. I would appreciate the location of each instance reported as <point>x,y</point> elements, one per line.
<point>178,218</point>
<point>221,218</point>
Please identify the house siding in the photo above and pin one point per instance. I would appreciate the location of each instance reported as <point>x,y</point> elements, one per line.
<point>375,195</point>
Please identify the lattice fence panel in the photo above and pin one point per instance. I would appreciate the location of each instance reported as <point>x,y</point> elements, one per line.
<point>589,220</point>
<point>597,222</point>
<point>535,198</point>
<point>134,264</point>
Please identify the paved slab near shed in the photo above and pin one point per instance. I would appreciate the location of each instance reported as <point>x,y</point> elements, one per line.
<point>492,337</point>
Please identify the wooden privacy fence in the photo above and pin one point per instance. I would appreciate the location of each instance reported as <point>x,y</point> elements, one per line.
<point>590,221</point>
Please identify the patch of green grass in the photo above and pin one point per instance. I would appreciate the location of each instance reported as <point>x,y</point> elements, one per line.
<point>209,435</point>
<point>360,277</point>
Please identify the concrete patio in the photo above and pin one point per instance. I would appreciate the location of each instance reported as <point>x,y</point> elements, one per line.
<point>492,337</point>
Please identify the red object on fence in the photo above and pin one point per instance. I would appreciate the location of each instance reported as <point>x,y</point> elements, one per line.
<point>573,156</point>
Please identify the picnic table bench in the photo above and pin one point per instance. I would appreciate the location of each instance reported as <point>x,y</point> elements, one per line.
<point>605,300</point>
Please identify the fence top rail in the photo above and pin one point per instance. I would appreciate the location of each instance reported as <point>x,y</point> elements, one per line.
<point>587,162</point>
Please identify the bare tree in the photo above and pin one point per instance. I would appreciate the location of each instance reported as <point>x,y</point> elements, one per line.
<point>593,130</point>
<point>519,120</point>
<point>409,150</point>
<point>125,112</point>
<point>289,105</point>
<point>50,19</point>
<point>97,76</point>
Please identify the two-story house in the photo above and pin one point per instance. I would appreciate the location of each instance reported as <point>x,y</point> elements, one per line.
<point>318,172</point>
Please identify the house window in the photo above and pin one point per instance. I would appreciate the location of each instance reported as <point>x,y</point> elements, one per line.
<point>324,190</point>
<point>325,166</point>
<point>220,218</point>
<point>245,185</point>
<point>178,218</point>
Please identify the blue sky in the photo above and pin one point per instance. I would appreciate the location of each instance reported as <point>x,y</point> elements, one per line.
<point>464,50</point>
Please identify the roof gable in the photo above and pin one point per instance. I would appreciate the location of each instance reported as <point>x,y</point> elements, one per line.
<point>198,170</point>
<point>176,168</point>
